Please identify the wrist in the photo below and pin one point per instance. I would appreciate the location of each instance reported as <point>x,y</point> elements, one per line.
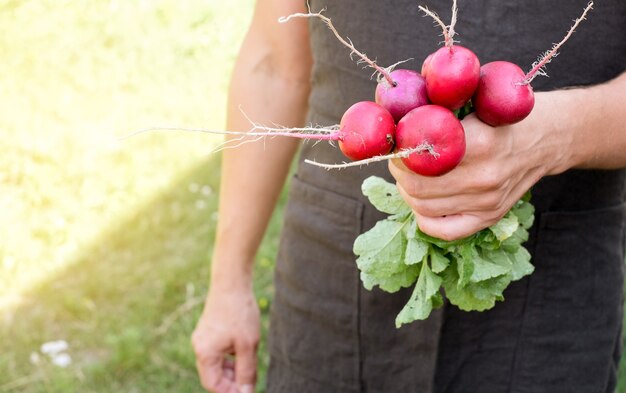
<point>558,122</point>
<point>231,273</point>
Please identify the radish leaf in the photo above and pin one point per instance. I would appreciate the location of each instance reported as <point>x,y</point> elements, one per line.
<point>384,196</point>
<point>474,271</point>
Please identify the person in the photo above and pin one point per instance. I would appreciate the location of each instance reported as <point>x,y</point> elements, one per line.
<point>558,330</point>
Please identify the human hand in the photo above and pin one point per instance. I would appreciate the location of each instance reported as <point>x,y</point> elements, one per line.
<point>229,326</point>
<point>499,166</point>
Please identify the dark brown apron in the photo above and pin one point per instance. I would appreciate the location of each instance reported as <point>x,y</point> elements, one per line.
<point>557,331</point>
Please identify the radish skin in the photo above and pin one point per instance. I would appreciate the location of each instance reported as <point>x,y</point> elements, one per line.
<point>408,93</point>
<point>437,127</point>
<point>366,130</point>
<point>501,97</point>
<point>452,76</point>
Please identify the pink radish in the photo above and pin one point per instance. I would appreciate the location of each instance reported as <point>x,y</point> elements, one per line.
<point>452,72</point>
<point>504,95</point>
<point>366,130</point>
<point>408,93</point>
<point>438,128</point>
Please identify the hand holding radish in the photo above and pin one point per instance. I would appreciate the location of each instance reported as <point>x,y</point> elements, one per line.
<point>500,165</point>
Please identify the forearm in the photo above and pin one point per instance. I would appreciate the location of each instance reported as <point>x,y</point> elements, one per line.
<point>591,125</point>
<point>270,92</point>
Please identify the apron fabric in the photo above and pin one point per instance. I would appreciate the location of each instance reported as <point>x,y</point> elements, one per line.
<point>557,330</point>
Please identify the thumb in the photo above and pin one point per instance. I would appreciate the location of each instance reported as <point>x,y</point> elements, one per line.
<point>245,368</point>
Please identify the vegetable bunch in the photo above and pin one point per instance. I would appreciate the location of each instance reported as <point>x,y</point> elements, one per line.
<point>415,116</point>
<point>430,139</point>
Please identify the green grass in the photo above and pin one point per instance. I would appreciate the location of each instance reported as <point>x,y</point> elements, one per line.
<point>105,243</point>
<point>108,242</point>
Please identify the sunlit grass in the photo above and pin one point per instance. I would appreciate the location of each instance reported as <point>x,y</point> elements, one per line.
<point>106,243</point>
<point>75,77</point>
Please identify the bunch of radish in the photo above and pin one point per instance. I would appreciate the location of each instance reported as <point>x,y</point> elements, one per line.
<point>417,114</point>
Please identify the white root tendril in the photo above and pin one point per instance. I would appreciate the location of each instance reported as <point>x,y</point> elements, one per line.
<point>448,31</point>
<point>348,43</point>
<point>257,130</point>
<point>538,66</point>
<point>231,143</point>
<point>451,32</point>
<point>390,69</point>
<point>400,154</point>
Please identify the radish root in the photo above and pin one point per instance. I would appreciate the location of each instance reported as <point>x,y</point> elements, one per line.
<point>448,31</point>
<point>538,66</point>
<point>383,72</point>
<point>400,154</point>
<point>330,133</point>
<point>451,32</point>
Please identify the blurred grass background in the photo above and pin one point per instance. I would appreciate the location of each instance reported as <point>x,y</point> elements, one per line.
<point>106,243</point>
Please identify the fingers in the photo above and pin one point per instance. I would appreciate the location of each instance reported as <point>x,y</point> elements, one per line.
<point>465,223</point>
<point>228,368</point>
<point>215,369</point>
<point>246,365</point>
<point>215,376</point>
<point>452,227</point>
<point>222,373</point>
<point>463,180</point>
<point>492,201</point>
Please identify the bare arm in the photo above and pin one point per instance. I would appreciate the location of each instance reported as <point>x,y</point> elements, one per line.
<point>574,128</point>
<point>271,84</point>
<point>598,123</point>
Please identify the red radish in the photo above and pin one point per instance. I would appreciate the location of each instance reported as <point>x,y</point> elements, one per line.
<point>502,97</point>
<point>426,65</point>
<point>366,130</point>
<point>409,92</point>
<point>452,72</point>
<point>452,75</point>
<point>438,128</point>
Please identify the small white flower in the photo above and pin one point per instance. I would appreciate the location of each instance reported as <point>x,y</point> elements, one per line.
<point>52,348</point>
<point>62,360</point>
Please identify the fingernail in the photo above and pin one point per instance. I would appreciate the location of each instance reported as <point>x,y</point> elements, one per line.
<point>246,389</point>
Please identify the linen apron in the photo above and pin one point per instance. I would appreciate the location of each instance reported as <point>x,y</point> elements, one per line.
<point>557,330</point>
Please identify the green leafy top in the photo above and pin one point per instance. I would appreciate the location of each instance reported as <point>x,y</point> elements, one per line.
<point>473,272</point>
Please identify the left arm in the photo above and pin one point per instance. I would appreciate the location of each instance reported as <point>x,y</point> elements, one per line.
<point>575,128</point>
